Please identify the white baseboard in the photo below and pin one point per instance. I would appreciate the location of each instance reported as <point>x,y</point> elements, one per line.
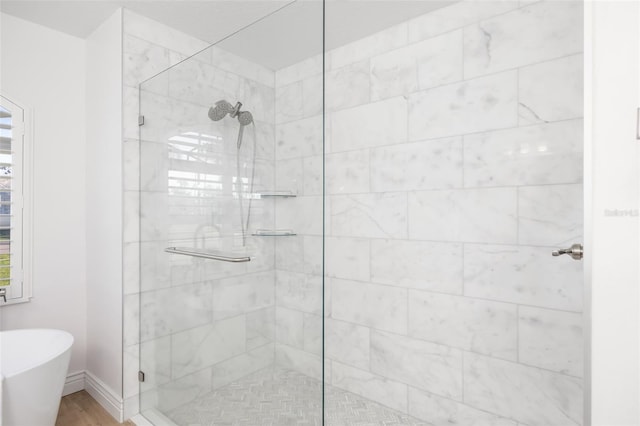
<point>74,383</point>
<point>105,396</point>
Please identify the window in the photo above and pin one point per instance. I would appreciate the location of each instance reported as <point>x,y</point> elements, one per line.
<point>14,208</point>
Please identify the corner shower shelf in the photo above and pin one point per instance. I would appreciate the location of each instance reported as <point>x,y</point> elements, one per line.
<point>208,254</point>
<point>274,233</point>
<point>280,194</point>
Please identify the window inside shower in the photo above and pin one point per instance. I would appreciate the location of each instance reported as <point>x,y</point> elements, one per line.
<point>347,215</point>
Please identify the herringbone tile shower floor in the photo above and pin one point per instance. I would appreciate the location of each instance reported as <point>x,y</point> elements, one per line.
<point>276,397</point>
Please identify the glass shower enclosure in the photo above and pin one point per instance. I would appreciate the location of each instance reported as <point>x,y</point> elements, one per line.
<point>231,235</point>
<point>347,216</point>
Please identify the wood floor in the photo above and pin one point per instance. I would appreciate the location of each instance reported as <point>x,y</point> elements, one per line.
<point>80,409</point>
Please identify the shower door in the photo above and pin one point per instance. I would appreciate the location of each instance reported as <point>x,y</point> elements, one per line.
<point>231,230</point>
<point>453,171</point>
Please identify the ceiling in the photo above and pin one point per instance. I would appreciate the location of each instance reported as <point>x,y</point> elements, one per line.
<point>275,33</point>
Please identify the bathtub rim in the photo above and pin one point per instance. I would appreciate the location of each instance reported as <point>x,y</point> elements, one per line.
<point>41,361</point>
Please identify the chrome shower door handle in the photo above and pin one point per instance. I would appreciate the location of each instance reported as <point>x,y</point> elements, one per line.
<point>575,251</point>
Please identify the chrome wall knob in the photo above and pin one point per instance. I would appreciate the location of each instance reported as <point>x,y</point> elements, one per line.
<point>576,251</point>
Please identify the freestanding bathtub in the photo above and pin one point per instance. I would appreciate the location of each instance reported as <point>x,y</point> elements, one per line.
<point>33,368</point>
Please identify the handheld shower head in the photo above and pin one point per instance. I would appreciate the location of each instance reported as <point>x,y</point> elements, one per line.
<point>221,109</point>
<point>245,118</point>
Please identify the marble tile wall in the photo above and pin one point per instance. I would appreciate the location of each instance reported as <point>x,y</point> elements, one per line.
<point>453,169</point>
<point>190,324</point>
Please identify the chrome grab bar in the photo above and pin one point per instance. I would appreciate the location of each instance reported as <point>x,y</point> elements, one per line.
<point>214,255</point>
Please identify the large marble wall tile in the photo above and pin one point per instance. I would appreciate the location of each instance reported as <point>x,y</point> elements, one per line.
<point>523,275</point>
<point>422,65</point>
<point>194,309</point>
<point>300,138</point>
<point>233,63</point>
<point>471,106</point>
<point>347,258</point>
<point>257,98</point>
<point>347,172</point>
<point>131,217</point>
<point>160,315</point>
<point>313,334</point>
<point>376,388</point>
<point>348,86</point>
<point>470,215</point>
<point>551,91</point>
<point>289,103</point>
<point>155,361</point>
<point>433,164</point>
<point>298,291</point>
<point>235,368</point>
<point>132,319</point>
<point>130,129</point>
<point>201,347</point>
<point>154,166</point>
<point>551,340</point>
<point>162,35</point>
<point>312,95</point>
<point>438,411</point>
<point>313,175</point>
<point>382,215</point>
<point>313,247</point>
<point>203,84</point>
<point>303,215</point>
<point>243,294</point>
<point>130,268</point>
<point>417,264</point>
<point>181,391</point>
<point>425,365</point>
<point>347,343</point>
<point>260,328</point>
<point>290,253</point>
<point>143,60</point>
<point>535,33</point>
<point>550,215</point>
<point>373,124</point>
<point>455,16</point>
<point>383,41</point>
<point>155,272</point>
<point>290,327</point>
<point>526,394</point>
<point>531,155</point>
<point>130,368</point>
<point>154,217</point>
<point>307,68</point>
<point>378,306</point>
<point>462,322</point>
<point>262,251</point>
<point>300,361</point>
<point>290,176</point>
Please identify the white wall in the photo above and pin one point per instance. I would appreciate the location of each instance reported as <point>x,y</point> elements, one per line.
<point>613,251</point>
<point>45,71</point>
<point>104,207</point>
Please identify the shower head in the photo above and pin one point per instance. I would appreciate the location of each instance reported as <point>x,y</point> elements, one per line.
<point>245,118</point>
<point>221,109</point>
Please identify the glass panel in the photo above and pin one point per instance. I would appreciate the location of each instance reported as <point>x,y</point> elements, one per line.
<point>234,342</point>
<point>455,170</point>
